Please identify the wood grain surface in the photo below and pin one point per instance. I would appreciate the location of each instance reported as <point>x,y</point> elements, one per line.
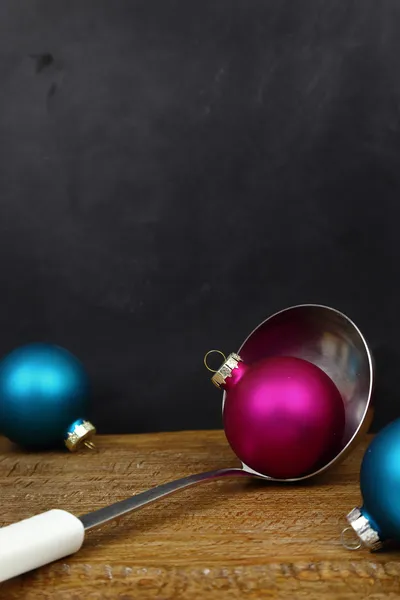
<point>225,539</point>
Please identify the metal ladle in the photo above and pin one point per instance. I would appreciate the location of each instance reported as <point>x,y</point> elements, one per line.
<point>319,334</point>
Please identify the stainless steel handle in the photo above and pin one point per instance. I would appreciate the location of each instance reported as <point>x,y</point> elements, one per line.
<point>124,507</point>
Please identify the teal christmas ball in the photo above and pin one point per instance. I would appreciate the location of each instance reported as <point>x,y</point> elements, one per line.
<point>44,394</point>
<point>377,521</point>
<point>380,483</point>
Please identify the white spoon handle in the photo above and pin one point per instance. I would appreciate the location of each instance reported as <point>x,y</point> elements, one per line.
<point>52,535</point>
<point>37,541</point>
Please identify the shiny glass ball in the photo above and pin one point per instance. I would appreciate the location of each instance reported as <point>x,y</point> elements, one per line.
<point>380,482</point>
<point>43,390</point>
<point>283,416</point>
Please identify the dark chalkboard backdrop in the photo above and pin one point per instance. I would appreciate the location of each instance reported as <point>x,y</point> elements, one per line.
<point>173,172</point>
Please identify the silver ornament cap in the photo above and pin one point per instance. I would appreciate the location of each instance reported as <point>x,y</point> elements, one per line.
<point>225,370</point>
<point>367,535</point>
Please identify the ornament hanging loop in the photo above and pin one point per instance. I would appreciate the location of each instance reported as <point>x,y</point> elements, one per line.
<point>349,540</point>
<point>205,360</point>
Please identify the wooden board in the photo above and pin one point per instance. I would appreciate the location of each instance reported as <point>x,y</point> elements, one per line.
<point>226,539</point>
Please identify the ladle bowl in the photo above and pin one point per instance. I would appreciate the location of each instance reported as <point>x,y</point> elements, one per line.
<point>330,340</point>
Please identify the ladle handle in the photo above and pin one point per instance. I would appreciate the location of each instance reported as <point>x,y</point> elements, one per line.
<point>124,507</point>
<point>37,541</point>
<point>52,535</point>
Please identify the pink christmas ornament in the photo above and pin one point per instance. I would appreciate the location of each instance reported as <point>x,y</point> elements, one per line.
<point>283,416</point>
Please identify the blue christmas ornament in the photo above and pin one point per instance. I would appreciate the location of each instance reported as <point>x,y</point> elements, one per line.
<point>378,520</point>
<point>44,392</point>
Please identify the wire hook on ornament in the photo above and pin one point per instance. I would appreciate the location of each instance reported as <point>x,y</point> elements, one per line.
<point>349,539</point>
<point>207,366</point>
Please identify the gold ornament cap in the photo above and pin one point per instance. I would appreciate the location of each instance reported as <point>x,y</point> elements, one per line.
<point>80,434</point>
<point>225,371</point>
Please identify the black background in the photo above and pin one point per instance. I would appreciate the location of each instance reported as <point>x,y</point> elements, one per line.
<point>173,172</point>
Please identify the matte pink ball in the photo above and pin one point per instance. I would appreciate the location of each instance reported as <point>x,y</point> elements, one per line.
<point>283,416</point>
